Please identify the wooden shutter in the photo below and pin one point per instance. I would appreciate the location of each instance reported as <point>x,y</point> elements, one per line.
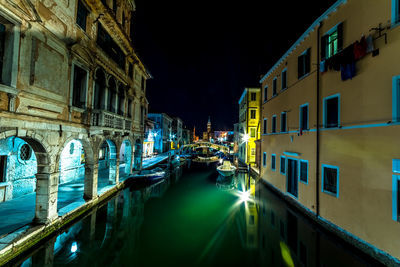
<point>307,59</point>
<point>300,64</point>
<point>340,36</point>
<point>323,46</point>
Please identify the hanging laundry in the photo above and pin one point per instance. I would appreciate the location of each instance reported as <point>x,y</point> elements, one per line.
<point>347,55</point>
<point>333,63</point>
<point>348,71</point>
<point>322,66</point>
<point>360,48</point>
<point>370,44</point>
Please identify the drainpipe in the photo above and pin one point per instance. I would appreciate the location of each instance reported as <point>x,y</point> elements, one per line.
<point>318,132</point>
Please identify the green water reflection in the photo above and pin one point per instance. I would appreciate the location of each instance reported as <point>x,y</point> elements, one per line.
<point>194,218</point>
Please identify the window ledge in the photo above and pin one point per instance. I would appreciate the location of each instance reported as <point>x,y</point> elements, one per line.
<point>8,89</point>
<point>395,24</point>
<point>330,193</point>
<point>78,109</point>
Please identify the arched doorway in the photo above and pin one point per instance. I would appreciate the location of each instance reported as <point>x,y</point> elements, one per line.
<point>138,155</point>
<point>107,173</point>
<point>125,159</point>
<point>71,174</point>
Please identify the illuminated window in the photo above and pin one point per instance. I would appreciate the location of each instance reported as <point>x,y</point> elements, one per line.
<point>253,114</point>
<point>265,126</point>
<point>274,86</point>
<point>79,87</point>
<point>283,122</point>
<point>253,96</point>
<point>284,80</point>
<point>303,64</point>
<point>304,117</point>
<point>283,165</point>
<point>25,152</point>
<point>253,151</point>
<point>81,15</point>
<point>330,180</point>
<point>273,162</point>
<point>273,128</point>
<point>304,171</point>
<point>252,132</point>
<point>332,42</point>
<point>331,111</point>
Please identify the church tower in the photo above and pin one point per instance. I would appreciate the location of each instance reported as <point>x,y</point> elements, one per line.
<point>209,126</point>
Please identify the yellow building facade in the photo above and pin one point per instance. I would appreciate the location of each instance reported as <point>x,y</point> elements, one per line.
<point>330,124</point>
<point>249,127</point>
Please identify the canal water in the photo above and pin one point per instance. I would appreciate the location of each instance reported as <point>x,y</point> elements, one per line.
<point>194,217</point>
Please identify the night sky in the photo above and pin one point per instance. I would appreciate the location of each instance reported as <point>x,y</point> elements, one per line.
<point>203,53</point>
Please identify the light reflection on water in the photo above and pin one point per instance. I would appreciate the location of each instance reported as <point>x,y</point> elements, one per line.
<point>196,218</point>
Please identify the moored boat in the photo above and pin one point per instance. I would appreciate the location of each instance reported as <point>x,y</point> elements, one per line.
<point>226,169</point>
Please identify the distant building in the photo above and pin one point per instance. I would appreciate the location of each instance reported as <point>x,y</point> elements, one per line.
<point>224,136</point>
<point>176,136</point>
<point>249,128</point>
<point>236,138</point>
<point>187,137</point>
<point>148,143</point>
<point>163,131</point>
<point>208,136</point>
<point>330,123</point>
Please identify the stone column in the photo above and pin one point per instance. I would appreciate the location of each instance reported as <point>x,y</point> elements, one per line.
<point>113,171</point>
<point>11,102</point>
<point>46,197</point>
<point>117,170</point>
<point>91,179</point>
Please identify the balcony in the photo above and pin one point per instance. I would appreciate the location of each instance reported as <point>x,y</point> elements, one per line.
<point>107,119</point>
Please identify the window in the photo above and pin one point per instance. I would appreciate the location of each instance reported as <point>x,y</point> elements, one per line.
<point>303,64</point>
<point>253,96</point>
<point>283,165</point>
<point>396,98</point>
<point>265,93</point>
<point>265,159</point>
<point>253,114</point>
<point>143,83</point>
<point>9,45</point>
<point>304,171</point>
<point>331,111</point>
<point>79,87</point>
<point>284,80</point>
<point>330,180</point>
<point>304,117</point>
<point>25,152</point>
<point>274,85</point>
<point>3,168</point>
<point>395,11</point>
<point>283,122</point>
<point>81,15</point>
<point>265,126</point>
<point>273,128</point>
<point>253,132</point>
<point>332,42</point>
<point>273,162</point>
<point>396,190</point>
<point>253,151</point>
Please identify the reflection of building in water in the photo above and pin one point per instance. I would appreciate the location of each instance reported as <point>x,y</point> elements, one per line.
<point>286,239</point>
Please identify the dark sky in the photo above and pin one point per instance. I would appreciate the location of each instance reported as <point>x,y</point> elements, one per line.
<point>203,53</point>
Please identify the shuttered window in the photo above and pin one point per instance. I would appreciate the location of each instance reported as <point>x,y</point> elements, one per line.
<point>264,159</point>
<point>331,112</point>
<point>273,128</point>
<point>330,176</point>
<point>304,171</point>
<point>283,122</point>
<point>284,80</point>
<point>283,165</point>
<point>304,117</point>
<point>265,126</point>
<point>79,87</point>
<point>273,162</point>
<point>303,64</point>
<point>265,93</point>
<point>274,85</point>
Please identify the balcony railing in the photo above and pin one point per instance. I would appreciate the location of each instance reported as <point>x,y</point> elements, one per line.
<point>102,118</point>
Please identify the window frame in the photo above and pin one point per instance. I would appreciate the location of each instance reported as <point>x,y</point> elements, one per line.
<point>301,116</point>
<point>255,132</point>
<point>81,66</point>
<point>284,122</point>
<point>337,180</point>
<point>396,98</point>
<point>251,114</point>
<point>264,159</point>
<point>286,86</point>
<point>82,5</point>
<point>251,96</point>
<point>303,56</point>
<point>273,124</point>
<point>300,180</point>
<point>284,164</point>
<point>273,162</point>
<point>325,113</point>
<point>395,190</point>
<point>274,86</point>
<point>395,8</point>
<point>338,28</point>
<point>265,93</point>
<point>265,126</point>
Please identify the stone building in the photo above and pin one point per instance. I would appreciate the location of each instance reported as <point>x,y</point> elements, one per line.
<point>162,131</point>
<point>72,98</point>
